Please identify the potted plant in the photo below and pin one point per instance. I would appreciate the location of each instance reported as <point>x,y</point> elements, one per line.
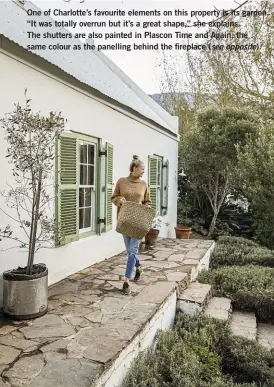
<point>153,233</point>
<point>31,151</point>
<point>183,231</point>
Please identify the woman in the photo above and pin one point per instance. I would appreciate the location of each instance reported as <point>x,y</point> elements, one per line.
<point>134,189</point>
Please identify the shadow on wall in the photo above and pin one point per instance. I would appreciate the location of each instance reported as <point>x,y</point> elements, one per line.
<point>1,290</point>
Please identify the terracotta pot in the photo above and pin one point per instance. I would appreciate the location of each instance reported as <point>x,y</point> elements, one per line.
<point>182,232</point>
<point>151,237</point>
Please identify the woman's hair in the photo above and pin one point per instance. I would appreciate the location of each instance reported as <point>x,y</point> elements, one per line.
<point>136,162</point>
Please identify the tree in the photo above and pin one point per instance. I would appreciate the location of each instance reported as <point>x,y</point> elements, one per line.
<point>31,151</point>
<point>256,177</point>
<point>210,154</point>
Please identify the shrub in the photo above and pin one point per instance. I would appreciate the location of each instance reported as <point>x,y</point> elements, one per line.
<point>245,360</point>
<point>178,363</point>
<point>249,288</point>
<point>242,252</point>
<point>236,241</point>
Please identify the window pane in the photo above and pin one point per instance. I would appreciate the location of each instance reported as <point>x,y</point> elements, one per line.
<point>81,218</point>
<point>87,217</point>
<point>90,175</point>
<point>83,153</point>
<point>91,154</point>
<point>81,197</point>
<point>87,197</point>
<point>83,175</point>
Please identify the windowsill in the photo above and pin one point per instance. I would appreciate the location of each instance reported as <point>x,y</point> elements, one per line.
<point>86,234</point>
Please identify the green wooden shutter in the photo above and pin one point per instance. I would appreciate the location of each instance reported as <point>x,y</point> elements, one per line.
<point>109,186</point>
<point>165,188</point>
<point>98,189</point>
<point>152,179</point>
<point>67,189</point>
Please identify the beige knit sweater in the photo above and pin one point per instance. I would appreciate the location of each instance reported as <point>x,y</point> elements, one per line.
<point>132,189</point>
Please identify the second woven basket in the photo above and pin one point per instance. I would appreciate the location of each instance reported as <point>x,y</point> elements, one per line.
<point>135,220</point>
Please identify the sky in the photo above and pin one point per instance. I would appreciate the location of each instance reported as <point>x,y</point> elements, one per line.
<point>141,66</point>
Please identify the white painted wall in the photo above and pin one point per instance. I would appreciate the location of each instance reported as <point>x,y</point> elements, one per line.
<point>84,114</point>
<point>162,320</point>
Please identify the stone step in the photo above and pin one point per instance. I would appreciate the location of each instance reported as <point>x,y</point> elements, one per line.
<point>244,324</point>
<point>194,299</point>
<point>265,335</point>
<point>219,308</point>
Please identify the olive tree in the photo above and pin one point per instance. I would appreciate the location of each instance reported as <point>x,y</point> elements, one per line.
<point>210,152</point>
<point>31,152</point>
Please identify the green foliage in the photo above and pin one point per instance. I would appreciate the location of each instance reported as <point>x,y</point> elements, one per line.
<point>210,153</point>
<point>195,210</point>
<point>201,352</point>
<point>248,287</point>
<point>256,177</point>
<point>245,360</point>
<point>230,252</point>
<point>236,241</point>
<point>31,151</point>
<point>177,363</point>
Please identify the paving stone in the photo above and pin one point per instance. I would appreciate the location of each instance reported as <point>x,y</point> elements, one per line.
<point>24,371</point>
<point>2,384</point>
<point>265,335</point>
<point>71,299</point>
<point>162,254</point>
<point>196,292</point>
<point>7,329</point>
<point>190,262</point>
<point>63,288</point>
<point>160,265</point>
<point>53,356</point>
<point>57,345</point>
<point>137,312</point>
<point>219,308</point>
<point>96,349</point>
<point>15,342</point>
<point>196,254</point>
<point>176,276</point>
<point>134,287</point>
<point>67,373</point>
<point>119,271</point>
<point>155,293</point>
<point>176,257</point>
<point>244,324</point>
<point>95,317</point>
<point>109,277</point>
<point>75,320</point>
<point>194,299</point>
<point>7,355</point>
<point>72,310</point>
<point>48,326</point>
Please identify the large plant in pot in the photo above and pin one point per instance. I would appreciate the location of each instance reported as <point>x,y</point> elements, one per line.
<point>28,202</point>
<point>183,229</point>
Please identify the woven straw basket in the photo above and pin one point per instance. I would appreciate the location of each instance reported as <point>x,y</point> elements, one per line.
<point>135,220</point>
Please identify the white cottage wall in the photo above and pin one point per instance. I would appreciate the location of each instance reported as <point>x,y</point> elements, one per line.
<point>86,115</point>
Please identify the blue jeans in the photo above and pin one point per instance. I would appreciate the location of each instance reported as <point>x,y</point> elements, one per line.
<point>132,246</point>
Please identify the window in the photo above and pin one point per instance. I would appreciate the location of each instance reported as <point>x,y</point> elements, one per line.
<point>83,187</point>
<point>158,184</point>
<point>87,195</point>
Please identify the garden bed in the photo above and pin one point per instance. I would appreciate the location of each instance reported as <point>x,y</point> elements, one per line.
<point>231,251</point>
<point>200,351</point>
<point>250,288</point>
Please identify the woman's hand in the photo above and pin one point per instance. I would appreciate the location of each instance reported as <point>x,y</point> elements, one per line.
<point>121,202</point>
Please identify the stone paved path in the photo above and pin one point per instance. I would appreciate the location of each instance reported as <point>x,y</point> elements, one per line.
<point>90,321</point>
